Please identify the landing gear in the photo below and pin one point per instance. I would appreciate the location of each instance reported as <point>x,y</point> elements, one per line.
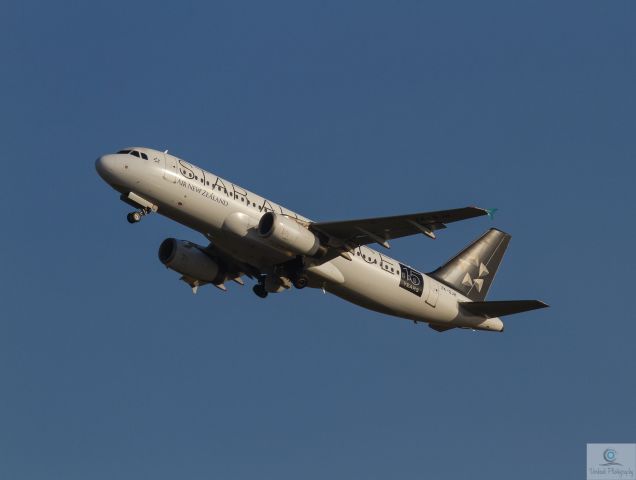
<point>301,281</point>
<point>259,290</point>
<point>134,217</point>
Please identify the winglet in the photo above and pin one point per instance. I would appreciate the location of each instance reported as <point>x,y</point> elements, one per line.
<point>491,212</point>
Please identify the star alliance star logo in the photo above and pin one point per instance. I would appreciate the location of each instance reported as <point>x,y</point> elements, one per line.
<point>478,282</point>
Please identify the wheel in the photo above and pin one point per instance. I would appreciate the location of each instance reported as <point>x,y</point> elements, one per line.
<point>259,290</point>
<point>301,281</point>
<point>133,217</point>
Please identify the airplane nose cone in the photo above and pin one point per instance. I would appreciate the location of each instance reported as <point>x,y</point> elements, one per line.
<point>99,164</point>
<point>105,166</point>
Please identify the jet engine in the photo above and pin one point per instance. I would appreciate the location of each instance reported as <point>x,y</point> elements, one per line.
<point>287,234</point>
<point>188,259</point>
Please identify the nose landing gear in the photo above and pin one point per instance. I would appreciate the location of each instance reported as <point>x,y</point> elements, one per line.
<point>144,206</point>
<point>133,217</point>
<point>136,216</point>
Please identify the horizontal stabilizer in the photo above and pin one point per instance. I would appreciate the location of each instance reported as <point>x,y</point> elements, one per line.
<point>501,308</point>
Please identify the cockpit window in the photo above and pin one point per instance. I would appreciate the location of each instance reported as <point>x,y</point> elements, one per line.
<point>135,153</point>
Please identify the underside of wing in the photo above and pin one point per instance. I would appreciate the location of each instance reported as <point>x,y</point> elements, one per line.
<point>382,229</point>
<point>233,267</point>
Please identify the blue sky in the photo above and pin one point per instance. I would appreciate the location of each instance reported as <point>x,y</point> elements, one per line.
<point>111,368</point>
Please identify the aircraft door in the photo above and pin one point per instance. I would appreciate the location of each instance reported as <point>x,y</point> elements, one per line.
<point>170,170</point>
<point>433,293</point>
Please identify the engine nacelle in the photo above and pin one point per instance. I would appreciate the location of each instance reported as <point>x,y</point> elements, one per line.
<point>187,259</point>
<point>287,234</point>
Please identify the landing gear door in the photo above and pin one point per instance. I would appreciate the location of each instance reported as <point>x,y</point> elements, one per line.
<point>170,170</point>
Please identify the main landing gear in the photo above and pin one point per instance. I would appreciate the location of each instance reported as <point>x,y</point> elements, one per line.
<point>136,216</point>
<point>279,282</point>
<point>259,290</point>
<point>301,281</point>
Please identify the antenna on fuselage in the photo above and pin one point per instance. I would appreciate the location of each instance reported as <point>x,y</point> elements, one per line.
<point>165,151</point>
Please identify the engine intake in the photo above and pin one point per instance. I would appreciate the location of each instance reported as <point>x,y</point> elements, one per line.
<point>287,234</point>
<point>187,259</point>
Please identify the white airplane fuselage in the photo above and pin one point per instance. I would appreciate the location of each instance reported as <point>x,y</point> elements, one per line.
<point>229,215</point>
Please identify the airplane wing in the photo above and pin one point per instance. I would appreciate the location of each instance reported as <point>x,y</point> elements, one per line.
<point>235,268</point>
<point>382,229</point>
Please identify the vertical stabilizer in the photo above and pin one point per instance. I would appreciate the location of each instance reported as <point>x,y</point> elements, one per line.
<point>472,270</point>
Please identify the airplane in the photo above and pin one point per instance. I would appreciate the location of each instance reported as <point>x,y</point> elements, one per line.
<point>251,236</point>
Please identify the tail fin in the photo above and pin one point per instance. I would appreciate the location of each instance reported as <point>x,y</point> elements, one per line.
<point>472,270</point>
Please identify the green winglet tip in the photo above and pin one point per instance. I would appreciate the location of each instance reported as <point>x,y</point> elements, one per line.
<point>491,212</point>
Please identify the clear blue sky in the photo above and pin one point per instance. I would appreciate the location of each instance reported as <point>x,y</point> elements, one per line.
<point>111,368</point>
